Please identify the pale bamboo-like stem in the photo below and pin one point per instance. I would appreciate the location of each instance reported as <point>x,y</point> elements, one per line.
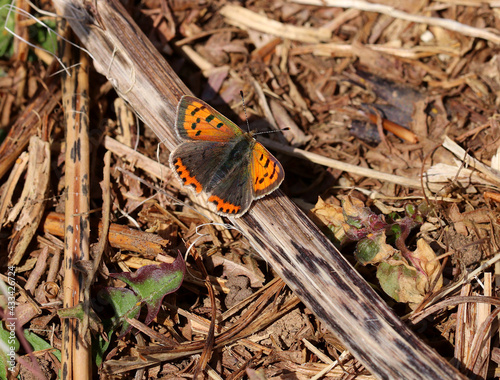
<point>76,354</point>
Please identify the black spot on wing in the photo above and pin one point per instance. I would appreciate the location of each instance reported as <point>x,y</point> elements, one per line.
<point>273,173</point>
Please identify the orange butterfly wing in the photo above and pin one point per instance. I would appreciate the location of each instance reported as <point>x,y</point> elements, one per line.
<point>267,172</point>
<point>196,120</point>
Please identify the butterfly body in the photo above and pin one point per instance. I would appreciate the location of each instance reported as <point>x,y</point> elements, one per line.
<point>218,158</point>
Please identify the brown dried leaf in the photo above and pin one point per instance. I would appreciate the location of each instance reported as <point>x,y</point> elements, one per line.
<point>236,265</point>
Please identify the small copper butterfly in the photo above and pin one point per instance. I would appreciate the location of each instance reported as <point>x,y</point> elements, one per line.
<point>217,157</point>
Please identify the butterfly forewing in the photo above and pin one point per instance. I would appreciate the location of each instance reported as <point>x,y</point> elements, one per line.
<point>196,120</point>
<point>267,172</point>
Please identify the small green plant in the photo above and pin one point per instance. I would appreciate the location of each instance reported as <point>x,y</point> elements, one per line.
<point>40,33</point>
<point>6,38</point>
<point>12,343</point>
<point>148,285</point>
<point>405,275</point>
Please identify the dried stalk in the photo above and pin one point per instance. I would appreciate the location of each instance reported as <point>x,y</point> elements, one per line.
<point>354,169</point>
<point>76,354</point>
<point>247,19</point>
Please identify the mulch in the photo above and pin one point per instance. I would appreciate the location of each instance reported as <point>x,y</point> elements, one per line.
<point>367,84</point>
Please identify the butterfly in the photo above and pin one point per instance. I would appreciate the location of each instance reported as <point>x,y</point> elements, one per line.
<point>218,158</point>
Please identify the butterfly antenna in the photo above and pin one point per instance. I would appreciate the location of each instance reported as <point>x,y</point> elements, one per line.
<point>248,125</point>
<point>245,109</point>
<point>272,131</point>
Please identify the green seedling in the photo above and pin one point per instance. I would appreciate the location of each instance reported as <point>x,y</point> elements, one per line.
<point>148,285</point>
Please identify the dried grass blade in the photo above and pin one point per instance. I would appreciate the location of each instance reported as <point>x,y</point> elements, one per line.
<point>247,19</point>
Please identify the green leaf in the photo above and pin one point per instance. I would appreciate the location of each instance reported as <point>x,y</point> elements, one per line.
<point>125,303</point>
<point>45,36</point>
<point>366,250</point>
<point>398,281</point>
<point>6,38</point>
<point>100,345</point>
<point>148,285</point>
<point>39,344</point>
<point>9,343</point>
<point>373,249</point>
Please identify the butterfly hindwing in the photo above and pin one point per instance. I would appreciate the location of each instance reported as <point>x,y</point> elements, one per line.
<point>233,195</point>
<point>195,164</point>
<point>196,120</point>
<point>230,195</point>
